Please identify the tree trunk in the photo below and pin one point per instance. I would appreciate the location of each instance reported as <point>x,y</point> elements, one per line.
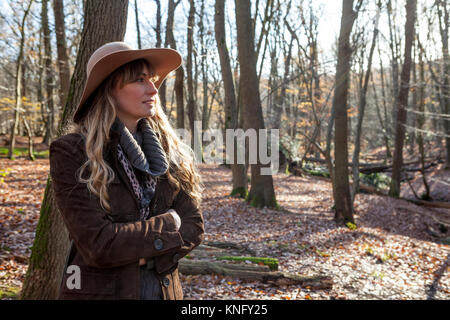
<point>63,59</point>
<point>41,88</point>
<point>138,28</point>
<point>48,72</point>
<point>158,24</point>
<point>361,109</point>
<point>261,192</point>
<point>231,115</point>
<point>443,15</point>
<point>393,45</point>
<point>344,210</point>
<point>179,73</point>
<point>30,139</point>
<point>420,122</point>
<point>51,243</point>
<point>387,127</point>
<point>402,100</point>
<point>205,112</point>
<point>189,62</point>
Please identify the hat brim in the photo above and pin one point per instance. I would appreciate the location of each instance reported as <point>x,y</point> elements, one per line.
<point>163,61</point>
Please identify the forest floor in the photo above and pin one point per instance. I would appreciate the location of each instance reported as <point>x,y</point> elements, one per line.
<point>397,251</point>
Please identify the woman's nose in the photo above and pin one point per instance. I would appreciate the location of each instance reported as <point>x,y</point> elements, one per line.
<point>151,88</point>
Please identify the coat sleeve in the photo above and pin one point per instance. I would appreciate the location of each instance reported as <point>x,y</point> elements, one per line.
<point>101,242</point>
<point>191,230</point>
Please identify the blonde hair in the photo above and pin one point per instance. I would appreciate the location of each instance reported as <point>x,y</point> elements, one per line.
<point>95,127</point>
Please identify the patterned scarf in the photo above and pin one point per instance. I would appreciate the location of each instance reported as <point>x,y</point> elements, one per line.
<point>143,152</point>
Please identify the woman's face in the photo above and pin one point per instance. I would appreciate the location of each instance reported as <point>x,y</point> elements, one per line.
<point>136,99</point>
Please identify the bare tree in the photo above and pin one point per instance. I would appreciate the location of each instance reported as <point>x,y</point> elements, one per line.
<point>138,27</point>
<point>191,105</point>
<point>342,199</point>
<point>179,73</point>
<point>402,100</point>
<point>231,115</point>
<point>362,106</point>
<point>443,16</point>
<point>49,77</point>
<point>63,59</point>
<point>261,192</point>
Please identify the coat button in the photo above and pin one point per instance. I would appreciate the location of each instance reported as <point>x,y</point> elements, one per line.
<point>158,244</point>
<point>176,257</point>
<point>166,282</point>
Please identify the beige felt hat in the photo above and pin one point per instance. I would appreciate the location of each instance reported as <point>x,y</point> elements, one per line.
<point>112,55</point>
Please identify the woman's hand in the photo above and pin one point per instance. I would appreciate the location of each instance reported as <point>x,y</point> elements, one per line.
<point>176,217</point>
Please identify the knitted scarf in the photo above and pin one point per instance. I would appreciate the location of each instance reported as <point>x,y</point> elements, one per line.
<point>144,152</point>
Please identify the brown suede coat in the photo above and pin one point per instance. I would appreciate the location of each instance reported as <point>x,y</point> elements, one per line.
<point>107,246</point>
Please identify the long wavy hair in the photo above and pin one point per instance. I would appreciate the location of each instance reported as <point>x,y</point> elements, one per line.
<point>95,127</point>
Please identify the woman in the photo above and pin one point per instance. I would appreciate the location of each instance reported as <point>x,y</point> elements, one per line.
<point>125,184</point>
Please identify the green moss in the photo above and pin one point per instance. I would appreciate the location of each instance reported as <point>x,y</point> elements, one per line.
<point>240,192</point>
<point>351,226</point>
<point>257,201</point>
<point>41,154</point>
<point>40,243</point>
<point>272,263</point>
<point>10,293</point>
<point>376,179</point>
<point>23,152</point>
<point>316,171</point>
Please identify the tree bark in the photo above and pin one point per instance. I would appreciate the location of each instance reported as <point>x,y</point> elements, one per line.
<point>51,244</point>
<point>362,107</point>
<point>343,205</point>
<point>191,105</point>
<point>30,139</point>
<point>63,59</point>
<point>261,192</point>
<point>49,84</point>
<point>203,53</point>
<point>179,73</point>
<point>393,45</point>
<point>443,15</point>
<point>402,100</point>
<point>420,122</point>
<point>138,28</point>
<point>231,115</point>
<point>158,24</point>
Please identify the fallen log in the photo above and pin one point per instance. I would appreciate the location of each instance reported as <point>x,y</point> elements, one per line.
<point>253,273</point>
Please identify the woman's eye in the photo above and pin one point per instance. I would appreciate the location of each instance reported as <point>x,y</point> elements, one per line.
<point>140,80</point>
